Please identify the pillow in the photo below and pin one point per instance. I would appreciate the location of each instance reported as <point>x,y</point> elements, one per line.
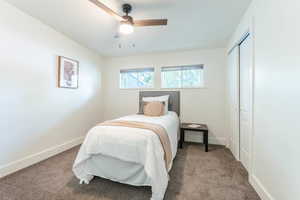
<point>142,105</point>
<point>164,99</point>
<point>154,109</point>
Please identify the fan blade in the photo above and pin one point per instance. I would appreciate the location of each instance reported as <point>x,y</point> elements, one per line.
<point>107,9</point>
<point>151,22</point>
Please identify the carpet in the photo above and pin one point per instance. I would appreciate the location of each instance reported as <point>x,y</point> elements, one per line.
<point>196,175</point>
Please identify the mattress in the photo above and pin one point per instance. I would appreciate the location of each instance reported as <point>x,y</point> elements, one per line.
<point>128,155</point>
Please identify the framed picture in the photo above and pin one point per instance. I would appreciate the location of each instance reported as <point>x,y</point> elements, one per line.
<point>68,73</point>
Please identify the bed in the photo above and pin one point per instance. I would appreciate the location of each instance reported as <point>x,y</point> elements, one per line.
<point>129,155</point>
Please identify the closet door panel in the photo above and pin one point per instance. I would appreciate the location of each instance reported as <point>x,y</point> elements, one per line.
<point>233,101</point>
<point>245,95</point>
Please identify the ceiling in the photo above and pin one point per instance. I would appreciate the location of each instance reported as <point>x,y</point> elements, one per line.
<point>192,23</point>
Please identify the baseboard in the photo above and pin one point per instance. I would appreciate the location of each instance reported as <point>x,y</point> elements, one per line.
<point>38,157</point>
<point>259,188</point>
<point>229,144</point>
<point>245,160</point>
<point>199,139</point>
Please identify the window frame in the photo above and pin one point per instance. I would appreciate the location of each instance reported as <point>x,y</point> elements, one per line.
<point>203,85</point>
<point>142,69</point>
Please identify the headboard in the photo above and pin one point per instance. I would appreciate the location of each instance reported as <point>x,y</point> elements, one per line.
<point>174,99</point>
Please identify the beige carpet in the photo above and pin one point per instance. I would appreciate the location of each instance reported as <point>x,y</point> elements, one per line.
<point>196,175</point>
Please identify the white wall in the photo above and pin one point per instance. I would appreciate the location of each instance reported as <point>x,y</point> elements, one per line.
<point>36,116</point>
<point>276,139</point>
<point>197,105</point>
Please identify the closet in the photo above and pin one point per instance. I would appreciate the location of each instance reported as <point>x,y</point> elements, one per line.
<point>240,76</point>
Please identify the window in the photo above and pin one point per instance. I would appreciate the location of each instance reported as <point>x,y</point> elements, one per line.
<point>137,78</point>
<point>190,76</point>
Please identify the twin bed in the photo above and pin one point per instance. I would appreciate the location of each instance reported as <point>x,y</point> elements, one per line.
<point>134,153</point>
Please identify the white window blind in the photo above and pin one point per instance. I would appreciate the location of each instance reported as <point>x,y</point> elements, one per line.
<point>189,76</point>
<point>137,78</point>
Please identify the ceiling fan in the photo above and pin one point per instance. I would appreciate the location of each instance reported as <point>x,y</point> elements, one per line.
<point>127,22</point>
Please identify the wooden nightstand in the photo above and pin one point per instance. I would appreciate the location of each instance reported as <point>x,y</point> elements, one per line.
<point>202,129</point>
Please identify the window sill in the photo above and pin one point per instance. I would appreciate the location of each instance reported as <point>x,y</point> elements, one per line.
<point>185,88</point>
<point>137,88</point>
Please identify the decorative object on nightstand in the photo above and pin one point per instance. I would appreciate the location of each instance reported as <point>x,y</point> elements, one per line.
<point>196,128</point>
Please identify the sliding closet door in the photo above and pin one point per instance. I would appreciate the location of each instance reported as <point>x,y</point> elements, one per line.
<point>245,95</point>
<point>233,101</point>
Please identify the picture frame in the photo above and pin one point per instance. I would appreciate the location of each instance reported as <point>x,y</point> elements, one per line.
<point>68,73</point>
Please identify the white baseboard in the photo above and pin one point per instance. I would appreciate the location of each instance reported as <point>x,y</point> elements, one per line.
<point>245,160</point>
<point>38,157</point>
<point>229,144</point>
<point>259,188</point>
<point>199,139</point>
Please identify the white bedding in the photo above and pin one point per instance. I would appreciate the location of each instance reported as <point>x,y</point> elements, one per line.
<point>132,145</point>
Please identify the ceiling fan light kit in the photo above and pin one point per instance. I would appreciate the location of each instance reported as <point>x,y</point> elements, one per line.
<point>125,28</point>
<point>126,25</point>
<point>127,22</point>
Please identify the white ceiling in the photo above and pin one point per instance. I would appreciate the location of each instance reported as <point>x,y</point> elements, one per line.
<point>192,23</point>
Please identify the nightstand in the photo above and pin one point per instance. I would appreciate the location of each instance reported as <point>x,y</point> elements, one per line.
<point>201,129</point>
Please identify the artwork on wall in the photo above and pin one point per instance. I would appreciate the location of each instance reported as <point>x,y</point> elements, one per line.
<point>68,73</point>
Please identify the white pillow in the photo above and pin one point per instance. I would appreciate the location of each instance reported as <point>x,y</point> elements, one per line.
<point>161,99</point>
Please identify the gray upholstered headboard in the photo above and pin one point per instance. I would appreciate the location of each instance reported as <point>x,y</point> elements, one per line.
<point>174,99</point>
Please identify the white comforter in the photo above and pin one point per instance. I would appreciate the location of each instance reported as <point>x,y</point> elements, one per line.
<point>131,145</point>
